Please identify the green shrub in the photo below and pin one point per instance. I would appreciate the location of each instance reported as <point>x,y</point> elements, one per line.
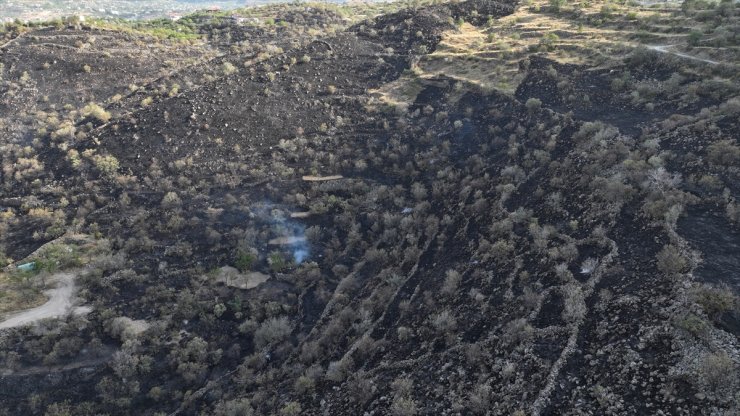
<point>277,261</point>
<point>235,407</point>
<point>606,11</point>
<point>58,257</point>
<point>108,165</point>
<point>272,331</point>
<point>244,261</point>
<point>171,200</point>
<point>452,282</point>
<point>501,250</point>
<point>304,385</point>
<point>59,409</point>
<point>65,130</point>
<point>556,5</point>
<point>548,42</point>
<point>228,68</point>
<point>219,309</point>
<point>718,370</point>
<point>692,324</point>
<point>694,38</point>
<point>724,153</point>
<point>715,300</point>
<point>671,261</point>
<point>404,406</point>
<point>95,111</point>
<point>291,409</point>
<point>533,104</point>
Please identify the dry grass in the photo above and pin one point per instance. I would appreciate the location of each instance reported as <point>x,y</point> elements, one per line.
<point>16,295</point>
<point>598,34</point>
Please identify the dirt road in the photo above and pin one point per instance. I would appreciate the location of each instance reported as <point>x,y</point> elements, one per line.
<point>665,49</point>
<point>59,303</point>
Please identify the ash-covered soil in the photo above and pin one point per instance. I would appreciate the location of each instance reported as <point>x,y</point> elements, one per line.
<point>566,250</point>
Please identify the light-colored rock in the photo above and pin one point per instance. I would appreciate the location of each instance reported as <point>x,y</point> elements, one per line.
<point>231,277</point>
<point>310,178</point>
<point>287,241</point>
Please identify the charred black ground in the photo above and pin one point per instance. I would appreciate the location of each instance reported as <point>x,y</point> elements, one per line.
<point>423,242</point>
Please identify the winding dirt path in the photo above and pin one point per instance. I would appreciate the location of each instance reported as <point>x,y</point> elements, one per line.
<point>60,303</point>
<point>665,49</point>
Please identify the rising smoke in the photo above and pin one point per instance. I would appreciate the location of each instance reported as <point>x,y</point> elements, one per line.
<point>286,233</point>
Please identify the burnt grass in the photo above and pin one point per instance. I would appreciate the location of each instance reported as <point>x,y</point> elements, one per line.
<point>483,254</point>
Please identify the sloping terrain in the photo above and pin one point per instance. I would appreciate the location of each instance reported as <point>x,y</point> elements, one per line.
<point>425,239</point>
<point>48,69</point>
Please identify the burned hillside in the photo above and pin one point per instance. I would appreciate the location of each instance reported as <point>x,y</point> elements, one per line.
<point>300,212</point>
